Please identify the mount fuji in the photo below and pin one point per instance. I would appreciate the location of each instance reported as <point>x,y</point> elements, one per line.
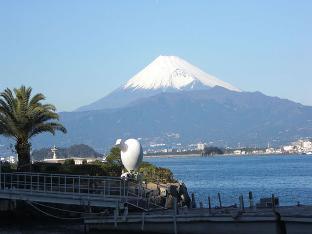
<point>164,74</point>
<point>172,102</point>
<point>171,72</point>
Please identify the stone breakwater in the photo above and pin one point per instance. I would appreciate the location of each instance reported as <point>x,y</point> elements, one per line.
<point>166,194</point>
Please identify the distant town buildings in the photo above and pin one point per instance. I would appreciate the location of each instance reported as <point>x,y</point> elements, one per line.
<point>270,150</point>
<point>10,159</point>
<point>201,146</point>
<point>302,146</point>
<point>238,151</point>
<point>288,149</point>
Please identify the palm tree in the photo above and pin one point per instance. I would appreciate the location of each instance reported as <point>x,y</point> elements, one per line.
<point>23,116</point>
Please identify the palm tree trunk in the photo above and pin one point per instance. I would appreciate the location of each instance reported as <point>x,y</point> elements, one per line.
<point>23,152</point>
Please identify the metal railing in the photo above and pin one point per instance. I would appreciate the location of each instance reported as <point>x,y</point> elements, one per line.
<point>63,184</point>
<point>97,187</point>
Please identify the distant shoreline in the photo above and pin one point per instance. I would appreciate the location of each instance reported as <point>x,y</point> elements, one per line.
<point>171,155</point>
<point>215,155</point>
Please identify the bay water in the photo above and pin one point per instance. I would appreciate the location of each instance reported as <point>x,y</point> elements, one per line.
<point>288,177</point>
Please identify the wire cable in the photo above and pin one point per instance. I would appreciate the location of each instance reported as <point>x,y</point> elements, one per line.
<point>64,210</point>
<point>51,215</point>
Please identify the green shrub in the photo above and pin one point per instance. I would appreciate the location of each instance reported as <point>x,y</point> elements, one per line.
<point>8,167</point>
<point>155,174</point>
<point>69,161</point>
<point>44,167</point>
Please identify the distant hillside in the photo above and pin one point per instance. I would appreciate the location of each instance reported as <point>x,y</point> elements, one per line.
<point>72,151</point>
<point>217,115</point>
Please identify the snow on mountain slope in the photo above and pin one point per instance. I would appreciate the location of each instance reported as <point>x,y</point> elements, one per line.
<point>164,74</point>
<point>174,73</point>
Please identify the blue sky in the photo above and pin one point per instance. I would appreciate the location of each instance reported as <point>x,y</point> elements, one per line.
<point>75,52</point>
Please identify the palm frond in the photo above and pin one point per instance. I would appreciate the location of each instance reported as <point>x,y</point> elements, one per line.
<point>23,116</point>
<point>36,99</point>
<point>48,127</point>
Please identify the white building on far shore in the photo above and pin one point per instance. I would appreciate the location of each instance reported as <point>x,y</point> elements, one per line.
<point>77,160</point>
<point>201,146</point>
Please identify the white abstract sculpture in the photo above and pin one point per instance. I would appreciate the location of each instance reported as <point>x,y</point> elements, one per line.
<point>131,153</point>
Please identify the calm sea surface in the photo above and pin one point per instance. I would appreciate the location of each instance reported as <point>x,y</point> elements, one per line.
<point>288,177</point>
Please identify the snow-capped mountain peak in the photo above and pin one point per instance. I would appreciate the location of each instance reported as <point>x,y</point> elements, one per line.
<point>164,74</point>
<point>172,72</point>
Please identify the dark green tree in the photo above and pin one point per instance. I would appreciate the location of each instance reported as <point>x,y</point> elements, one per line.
<point>22,117</point>
<point>84,162</point>
<point>114,156</point>
<point>212,151</point>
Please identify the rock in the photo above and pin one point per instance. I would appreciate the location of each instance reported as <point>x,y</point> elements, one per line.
<point>167,192</point>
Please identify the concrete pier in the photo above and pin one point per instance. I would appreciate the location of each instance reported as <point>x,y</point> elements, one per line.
<point>290,220</point>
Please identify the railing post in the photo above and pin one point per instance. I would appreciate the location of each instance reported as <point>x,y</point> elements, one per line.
<point>0,174</point>
<point>193,201</point>
<point>138,196</point>
<point>108,188</point>
<point>273,202</point>
<point>120,188</point>
<point>104,183</point>
<point>149,200</point>
<point>79,184</point>
<point>124,185</point>
<point>115,216</point>
<point>175,215</point>
<point>51,181</point>
<point>241,203</point>
<point>143,221</point>
<point>65,184</point>
<point>88,185</point>
<point>251,202</point>
<point>209,204</point>
<point>219,198</point>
